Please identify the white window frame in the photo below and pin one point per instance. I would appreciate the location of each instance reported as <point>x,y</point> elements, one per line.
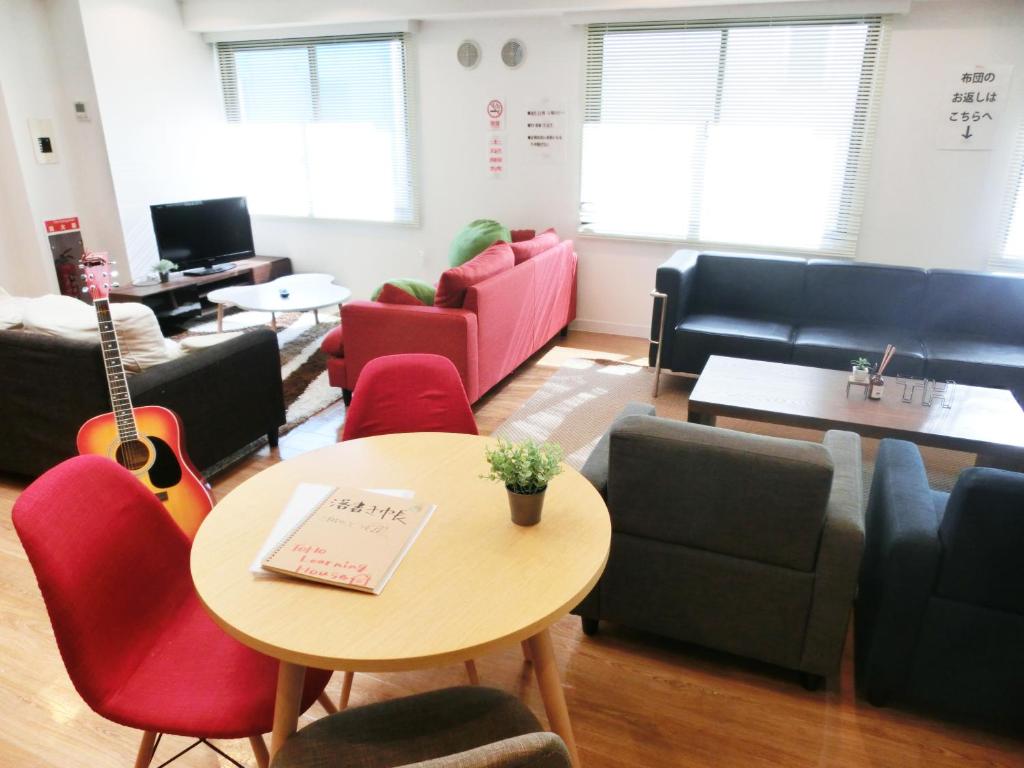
<point>224,51</point>
<point>1013,210</point>
<point>858,164</point>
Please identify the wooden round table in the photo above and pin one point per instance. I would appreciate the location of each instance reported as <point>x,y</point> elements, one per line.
<point>471,582</point>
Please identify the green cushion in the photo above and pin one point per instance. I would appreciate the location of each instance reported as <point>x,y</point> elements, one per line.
<point>421,289</point>
<point>475,238</point>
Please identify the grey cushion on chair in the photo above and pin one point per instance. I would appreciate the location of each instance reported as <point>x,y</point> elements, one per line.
<point>466,727</point>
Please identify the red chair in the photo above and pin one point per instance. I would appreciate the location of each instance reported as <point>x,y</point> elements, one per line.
<point>140,649</point>
<point>408,393</point>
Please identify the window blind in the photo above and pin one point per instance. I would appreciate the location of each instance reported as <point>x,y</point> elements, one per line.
<point>1011,241</point>
<point>741,133</point>
<point>320,126</point>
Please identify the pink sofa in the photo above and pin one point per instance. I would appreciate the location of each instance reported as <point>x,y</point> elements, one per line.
<point>503,320</point>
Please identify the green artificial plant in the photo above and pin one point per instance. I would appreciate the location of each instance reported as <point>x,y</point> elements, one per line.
<point>165,265</point>
<point>524,467</point>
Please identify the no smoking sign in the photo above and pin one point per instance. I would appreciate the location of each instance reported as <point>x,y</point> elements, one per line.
<point>496,114</point>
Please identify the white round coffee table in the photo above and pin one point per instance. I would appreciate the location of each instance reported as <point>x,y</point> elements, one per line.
<point>291,293</point>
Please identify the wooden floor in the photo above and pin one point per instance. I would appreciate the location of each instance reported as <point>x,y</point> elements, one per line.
<point>636,700</point>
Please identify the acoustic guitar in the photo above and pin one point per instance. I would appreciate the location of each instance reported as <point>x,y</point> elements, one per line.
<point>148,440</point>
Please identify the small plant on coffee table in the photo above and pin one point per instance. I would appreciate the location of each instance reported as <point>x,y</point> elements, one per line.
<point>861,367</point>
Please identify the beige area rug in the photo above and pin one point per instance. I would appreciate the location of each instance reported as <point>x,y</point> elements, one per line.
<point>577,403</point>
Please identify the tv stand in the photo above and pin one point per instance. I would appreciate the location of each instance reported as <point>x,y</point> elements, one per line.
<point>184,295</point>
<point>212,270</point>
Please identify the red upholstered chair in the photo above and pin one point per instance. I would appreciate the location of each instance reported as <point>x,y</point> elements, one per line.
<point>408,393</point>
<point>140,649</point>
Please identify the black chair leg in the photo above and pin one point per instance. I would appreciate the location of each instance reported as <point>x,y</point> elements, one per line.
<point>346,395</point>
<point>272,437</point>
<point>877,697</point>
<point>564,332</point>
<point>589,626</point>
<point>811,682</point>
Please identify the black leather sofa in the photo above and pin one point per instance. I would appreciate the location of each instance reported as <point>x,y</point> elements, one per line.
<point>940,609</point>
<point>227,396</point>
<point>964,326</point>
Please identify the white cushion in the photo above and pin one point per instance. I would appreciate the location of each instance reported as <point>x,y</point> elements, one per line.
<point>194,343</point>
<point>12,310</point>
<point>138,332</point>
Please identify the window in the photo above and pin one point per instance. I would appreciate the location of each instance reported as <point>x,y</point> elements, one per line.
<point>320,126</point>
<point>1011,251</point>
<point>752,134</point>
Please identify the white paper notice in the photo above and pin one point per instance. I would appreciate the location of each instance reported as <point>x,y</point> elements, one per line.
<point>545,132</point>
<point>972,101</point>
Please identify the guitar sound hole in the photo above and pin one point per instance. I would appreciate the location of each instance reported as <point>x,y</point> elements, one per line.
<point>132,454</point>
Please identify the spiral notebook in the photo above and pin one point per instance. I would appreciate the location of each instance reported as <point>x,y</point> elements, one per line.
<point>352,538</point>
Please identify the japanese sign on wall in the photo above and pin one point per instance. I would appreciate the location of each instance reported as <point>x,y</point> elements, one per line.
<point>545,132</point>
<point>496,115</point>
<point>973,99</point>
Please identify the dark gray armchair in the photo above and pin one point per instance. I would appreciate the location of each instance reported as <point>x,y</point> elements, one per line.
<point>467,727</point>
<point>940,613</point>
<point>740,542</point>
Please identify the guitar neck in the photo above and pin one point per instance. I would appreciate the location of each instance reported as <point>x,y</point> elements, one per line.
<point>117,381</point>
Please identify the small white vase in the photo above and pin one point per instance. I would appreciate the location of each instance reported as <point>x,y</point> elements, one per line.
<point>860,375</point>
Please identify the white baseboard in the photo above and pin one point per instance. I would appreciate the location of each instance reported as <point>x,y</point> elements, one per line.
<point>615,329</point>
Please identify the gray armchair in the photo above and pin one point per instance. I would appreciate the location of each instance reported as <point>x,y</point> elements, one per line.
<point>467,727</point>
<point>740,542</point>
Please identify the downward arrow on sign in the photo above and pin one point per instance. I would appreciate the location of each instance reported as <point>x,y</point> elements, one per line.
<point>967,134</point>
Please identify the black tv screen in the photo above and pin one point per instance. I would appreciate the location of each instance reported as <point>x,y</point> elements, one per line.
<point>201,233</point>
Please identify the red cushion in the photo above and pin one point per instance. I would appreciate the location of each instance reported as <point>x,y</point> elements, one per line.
<point>333,344</point>
<point>408,393</point>
<point>113,568</point>
<point>519,235</point>
<point>390,294</point>
<point>527,249</point>
<point>451,290</point>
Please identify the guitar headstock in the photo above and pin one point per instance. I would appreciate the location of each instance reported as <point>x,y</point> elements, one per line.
<point>97,274</point>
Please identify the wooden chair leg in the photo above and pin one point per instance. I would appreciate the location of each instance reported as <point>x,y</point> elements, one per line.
<point>474,678</point>
<point>259,751</point>
<point>346,690</point>
<point>526,651</point>
<point>326,703</point>
<point>145,753</point>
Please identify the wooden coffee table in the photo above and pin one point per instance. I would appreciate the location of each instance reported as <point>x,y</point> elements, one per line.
<point>987,422</point>
<point>472,582</point>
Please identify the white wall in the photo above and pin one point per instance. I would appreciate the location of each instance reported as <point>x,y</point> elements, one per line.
<point>161,114</point>
<point>31,90</point>
<point>927,207</point>
<point>40,67</point>
<point>20,265</point>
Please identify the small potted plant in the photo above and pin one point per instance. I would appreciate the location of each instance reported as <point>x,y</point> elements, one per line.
<point>164,267</point>
<point>861,367</point>
<point>526,469</point>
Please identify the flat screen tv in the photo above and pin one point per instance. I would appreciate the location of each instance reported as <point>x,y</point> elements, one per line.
<point>203,236</point>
